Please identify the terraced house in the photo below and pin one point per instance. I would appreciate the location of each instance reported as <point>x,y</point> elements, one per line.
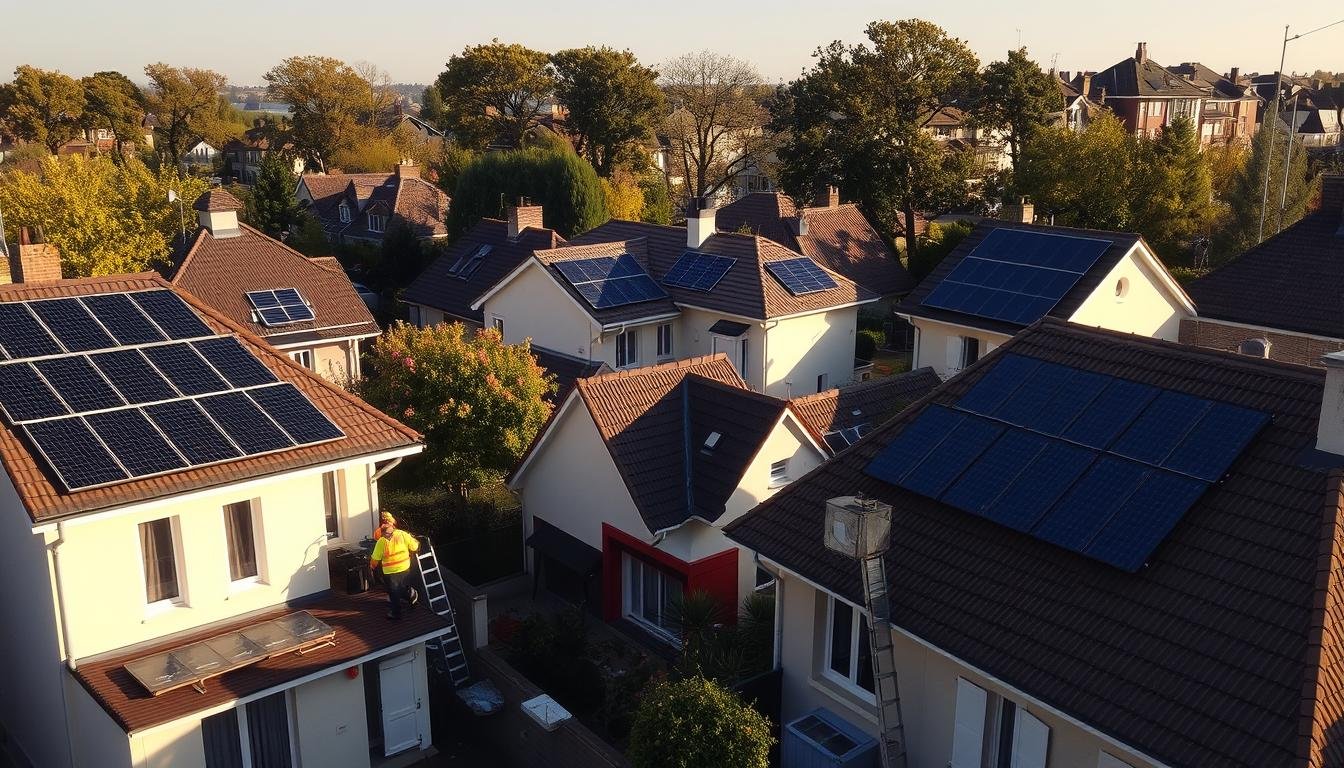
<point>361,207</point>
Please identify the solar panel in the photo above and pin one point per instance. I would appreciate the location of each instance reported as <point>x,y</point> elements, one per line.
<point>22,335</point>
<point>133,439</point>
<point>913,443</point>
<point>78,383</point>
<point>994,471</point>
<point>1211,446</point>
<point>1149,516</point>
<point>610,281</point>
<point>133,376</point>
<point>75,455</point>
<point>123,318</point>
<point>25,396</point>
<point>282,306</point>
<point>1161,427</point>
<point>1092,503</point>
<point>239,366</point>
<point>171,314</point>
<point>1040,485</point>
<point>187,370</point>
<point>72,324</point>
<point>698,271</point>
<point>192,432</point>
<point>245,423</point>
<point>292,411</point>
<point>801,275</point>
<point>952,456</point>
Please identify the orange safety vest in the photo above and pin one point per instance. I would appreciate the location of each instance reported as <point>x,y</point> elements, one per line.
<point>395,553</point>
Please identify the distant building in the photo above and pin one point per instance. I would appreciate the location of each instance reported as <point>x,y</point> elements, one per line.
<point>1145,95</point>
<point>243,157</point>
<point>361,207</point>
<point>1231,108</point>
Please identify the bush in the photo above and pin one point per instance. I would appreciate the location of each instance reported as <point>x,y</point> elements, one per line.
<point>696,722</point>
<point>563,183</point>
<point>937,243</point>
<point>867,342</point>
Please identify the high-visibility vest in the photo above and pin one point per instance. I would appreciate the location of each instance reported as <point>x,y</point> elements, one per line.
<point>395,553</point>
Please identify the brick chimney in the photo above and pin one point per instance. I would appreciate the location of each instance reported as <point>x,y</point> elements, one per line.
<point>1021,212</point>
<point>36,261</point>
<point>700,222</point>
<point>407,169</point>
<point>827,198</point>
<point>522,216</point>
<point>1087,83</point>
<point>1234,75</point>
<point>1141,53</point>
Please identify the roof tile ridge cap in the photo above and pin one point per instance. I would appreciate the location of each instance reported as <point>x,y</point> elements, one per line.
<point>149,276</point>
<point>1325,595</point>
<point>649,370</point>
<point>736,387</point>
<point>191,253</point>
<point>833,392</point>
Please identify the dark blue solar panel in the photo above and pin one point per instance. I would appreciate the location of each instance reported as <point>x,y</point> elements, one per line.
<point>25,396</point>
<point>22,335</point>
<point>1161,427</point>
<point>1041,249</point>
<point>1036,395</point>
<point>171,314</point>
<point>263,299</point>
<point>952,456</point>
<point>187,426</point>
<point>239,366</point>
<point>998,383</point>
<point>78,383</point>
<point>292,411</point>
<point>135,442</point>
<point>74,454</point>
<point>1073,398</point>
<point>123,318</point>
<point>185,369</point>
<point>913,443</point>
<point>1216,441</point>
<point>288,296</point>
<point>273,316</point>
<point>607,281</point>
<point>1110,413</point>
<point>243,421</point>
<point>300,313</point>
<point>1094,500</point>
<point>698,271</point>
<point>1040,485</point>
<point>800,275</point>
<point>1154,509</point>
<point>72,324</point>
<point>133,376</point>
<point>994,471</point>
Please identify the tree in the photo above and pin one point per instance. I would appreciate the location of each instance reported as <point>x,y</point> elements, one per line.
<point>624,197</point>
<point>657,201</point>
<point>1017,98</point>
<point>717,127</point>
<point>114,103</point>
<point>272,207</point>
<point>1083,179</point>
<point>696,722</point>
<point>1239,231</point>
<point>450,164</point>
<point>478,401</point>
<point>431,107</point>
<point>186,103</point>
<point>105,218</point>
<point>563,183</point>
<point>857,119</point>
<point>42,106</point>
<point>1172,197</point>
<point>494,92</point>
<point>613,103</point>
<point>331,103</point>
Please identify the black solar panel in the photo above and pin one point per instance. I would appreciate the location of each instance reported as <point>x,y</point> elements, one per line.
<point>239,366</point>
<point>123,318</point>
<point>171,314</point>
<point>610,281</point>
<point>22,335</point>
<point>192,432</point>
<point>72,324</point>
<point>292,411</point>
<point>187,370</point>
<point>698,271</point>
<point>801,275</point>
<point>133,376</point>
<point>140,448</point>
<point>74,454</point>
<point>245,423</point>
<point>24,395</point>
<point>78,383</point>
<point>280,307</point>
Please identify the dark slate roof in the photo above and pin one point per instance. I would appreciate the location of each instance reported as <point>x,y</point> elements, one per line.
<point>729,328</point>
<point>662,307</point>
<point>1215,653</point>
<point>566,370</point>
<point>875,401</point>
<point>436,288</point>
<point>1219,87</point>
<point>1294,281</point>
<point>1132,77</point>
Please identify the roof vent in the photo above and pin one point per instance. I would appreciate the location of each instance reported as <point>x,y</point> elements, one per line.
<point>712,441</point>
<point>1255,348</point>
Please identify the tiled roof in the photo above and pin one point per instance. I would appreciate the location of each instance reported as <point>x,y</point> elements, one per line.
<point>436,288</point>
<point>220,272</point>
<point>361,629</point>
<point>875,401</point>
<point>1132,77</point>
<point>1293,281</point>
<point>1206,656</point>
<point>620,314</point>
<point>412,200</point>
<point>566,370</point>
<point>214,200</point>
<point>839,238</point>
<point>1219,87</point>
<point>1121,243</point>
<point>367,430</point>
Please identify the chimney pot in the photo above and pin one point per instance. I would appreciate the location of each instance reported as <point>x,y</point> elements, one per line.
<point>407,169</point>
<point>827,198</point>
<point>1021,212</point>
<point>701,218</point>
<point>1141,53</point>
<point>523,215</point>
<point>1234,75</point>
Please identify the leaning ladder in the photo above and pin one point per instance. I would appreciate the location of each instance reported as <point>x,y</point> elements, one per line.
<point>892,732</point>
<point>445,651</point>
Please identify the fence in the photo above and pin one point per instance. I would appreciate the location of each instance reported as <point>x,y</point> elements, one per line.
<point>485,556</point>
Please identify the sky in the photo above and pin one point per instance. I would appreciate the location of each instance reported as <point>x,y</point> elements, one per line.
<point>412,40</point>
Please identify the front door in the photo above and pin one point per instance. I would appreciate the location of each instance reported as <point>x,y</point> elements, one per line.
<point>400,703</point>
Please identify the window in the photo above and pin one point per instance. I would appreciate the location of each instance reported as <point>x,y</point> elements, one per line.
<point>665,340</point>
<point>742,358</point>
<point>303,357</point>
<point>158,551</point>
<point>627,348</point>
<point>989,730</point>
<point>377,223</point>
<point>331,503</point>
<point>240,537</point>
<point>779,473</point>
<point>848,657</point>
<point>711,441</point>
<point>1122,288</point>
<point>970,350</point>
<point>498,324</point>
<point>651,597</point>
<point>345,213</point>
<point>823,382</point>
<point>467,264</point>
<point>413,315</point>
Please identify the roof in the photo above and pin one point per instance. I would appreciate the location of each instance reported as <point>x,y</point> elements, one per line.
<point>1219,87</point>
<point>1132,77</point>
<point>871,402</point>
<point>367,430</point>
<point>566,370</point>
<point>617,314</point>
<point>221,271</point>
<point>1206,656</point>
<point>217,199</point>
<point>410,199</point>
<point>361,629</point>
<point>1292,281</point>
<point>839,238</point>
<point>1121,243</point>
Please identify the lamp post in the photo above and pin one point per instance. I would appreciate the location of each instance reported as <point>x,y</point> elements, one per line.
<point>1287,164</point>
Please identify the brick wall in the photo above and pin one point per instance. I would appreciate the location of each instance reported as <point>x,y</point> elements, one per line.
<point>1284,347</point>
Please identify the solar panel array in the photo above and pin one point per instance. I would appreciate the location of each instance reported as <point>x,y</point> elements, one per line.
<point>1099,465</point>
<point>610,281</point>
<point>801,275</point>
<point>843,438</point>
<point>1016,275</point>
<point>280,307</point>
<point>119,386</point>
<point>698,271</point>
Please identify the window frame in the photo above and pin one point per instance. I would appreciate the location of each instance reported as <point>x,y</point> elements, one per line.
<point>632,596</point>
<point>333,483</point>
<point>967,343</point>
<point>343,210</point>
<point>823,382</point>
<point>627,348</point>
<point>664,345</point>
<point>303,357</point>
<point>497,323</point>
<point>180,599</point>
<point>377,223</point>
<point>253,509</point>
<point>858,620</point>
<point>779,473</point>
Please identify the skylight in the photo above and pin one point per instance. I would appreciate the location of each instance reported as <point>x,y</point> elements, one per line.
<point>712,441</point>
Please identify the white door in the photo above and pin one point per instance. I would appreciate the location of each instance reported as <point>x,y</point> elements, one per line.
<point>401,704</point>
<point>968,730</point>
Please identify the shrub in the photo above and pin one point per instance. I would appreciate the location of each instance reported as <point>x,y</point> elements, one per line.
<point>696,722</point>
<point>866,344</point>
<point>563,183</point>
<point>554,654</point>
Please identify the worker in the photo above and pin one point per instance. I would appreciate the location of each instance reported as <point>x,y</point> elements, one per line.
<point>393,554</point>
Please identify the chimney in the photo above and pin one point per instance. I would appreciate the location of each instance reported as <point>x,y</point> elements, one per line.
<point>37,262</point>
<point>700,222</point>
<point>1066,76</point>
<point>1234,75</point>
<point>827,198</point>
<point>1317,83</point>
<point>798,224</point>
<point>1021,212</point>
<point>522,216</point>
<point>1141,53</point>
<point>1330,428</point>
<point>217,211</point>
<point>407,169</point>
<point>1087,83</point>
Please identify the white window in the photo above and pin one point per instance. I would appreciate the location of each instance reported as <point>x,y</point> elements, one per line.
<point>989,730</point>
<point>651,595</point>
<point>968,729</point>
<point>627,348</point>
<point>158,553</point>
<point>779,473</point>
<point>498,324</point>
<point>970,350</point>
<point>665,340</point>
<point>240,538</point>
<point>848,658</point>
<point>377,222</point>
<point>303,357</point>
<point>345,213</point>
<point>823,382</point>
<point>331,502</point>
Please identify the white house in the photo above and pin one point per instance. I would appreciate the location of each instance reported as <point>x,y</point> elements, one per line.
<point>172,488</point>
<point>1005,276</point>
<point>199,154</point>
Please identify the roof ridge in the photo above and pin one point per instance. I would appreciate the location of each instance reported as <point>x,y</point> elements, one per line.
<point>648,370</point>
<point>148,276</point>
<point>700,378</point>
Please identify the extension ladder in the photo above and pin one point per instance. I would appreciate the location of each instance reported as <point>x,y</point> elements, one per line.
<point>891,739</point>
<point>445,651</point>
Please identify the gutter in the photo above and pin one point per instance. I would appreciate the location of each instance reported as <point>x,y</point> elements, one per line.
<point>70,663</point>
<point>391,465</point>
<point>777,656</point>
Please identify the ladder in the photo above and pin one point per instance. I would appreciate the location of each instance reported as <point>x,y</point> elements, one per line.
<point>445,651</point>
<point>891,738</point>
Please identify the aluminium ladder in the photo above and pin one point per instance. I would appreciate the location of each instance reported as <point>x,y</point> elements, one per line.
<point>445,651</point>
<point>891,738</point>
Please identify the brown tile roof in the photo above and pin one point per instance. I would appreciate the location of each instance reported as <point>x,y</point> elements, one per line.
<point>220,272</point>
<point>413,201</point>
<point>361,628</point>
<point>875,401</point>
<point>566,369</point>
<point>217,200</point>
<point>1206,656</point>
<point>367,430</point>
<point>636,248</point>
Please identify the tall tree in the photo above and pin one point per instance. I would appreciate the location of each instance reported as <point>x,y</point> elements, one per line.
<point>613,103</point>
<point>1084,179</point>
<point>717,127</point>
<point>332,103</point>
<point>1238,232</point>
<point>564,184</point>
<point>186,103</point>
<point>495,91</point>
<point>857,119</point>
<point>1016,97</point>
<point>431,107</point>
<point>272,207</point>
<point>43,106</point>
<point>114,103</point>
<point>1172,196</point>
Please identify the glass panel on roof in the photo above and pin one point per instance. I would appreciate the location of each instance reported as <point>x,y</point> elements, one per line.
<point>303,625</point>
<point>160,672</point>
<point>201,659</point>
<point>234,648</point>
<point>272,637</point>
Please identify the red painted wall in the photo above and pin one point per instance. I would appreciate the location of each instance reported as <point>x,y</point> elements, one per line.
<point>716,574</point>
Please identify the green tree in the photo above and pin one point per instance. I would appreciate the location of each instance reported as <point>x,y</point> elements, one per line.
<point>936,243</point>
<point>106,219</point>
<point>613,103</point>
<point>186,103</point>
<point>1017,98</point>
<point>450,164</point>
<point>1172,192</point>
<point>272,207</point>
<point>331,103</point>
<point>856,119</point>
<point>42,106</point>
<point>1083,179</point>
<point>567,187</point>
<point>657,200</point>
<point>431,107</point>
<point>494,91</point>
<point>478,402</point>
<point>114,103</point>
<point>1238,232</point>
<point>696,723</point>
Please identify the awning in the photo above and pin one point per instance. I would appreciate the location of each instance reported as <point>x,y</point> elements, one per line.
<point>563,548</point>
<point>729,328</point>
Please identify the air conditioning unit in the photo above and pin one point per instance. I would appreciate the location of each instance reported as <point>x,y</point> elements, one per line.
<point>822,739</point>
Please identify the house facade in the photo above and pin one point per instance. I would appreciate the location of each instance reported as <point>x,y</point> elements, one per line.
<point>1231,109</point>
<point>1145,95</point>
<point>362,207</point>
<point>243,157</point>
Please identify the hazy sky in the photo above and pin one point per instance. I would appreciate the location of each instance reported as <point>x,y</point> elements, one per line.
<point>411,40</point>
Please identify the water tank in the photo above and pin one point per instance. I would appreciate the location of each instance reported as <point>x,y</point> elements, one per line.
<point>822,739</point>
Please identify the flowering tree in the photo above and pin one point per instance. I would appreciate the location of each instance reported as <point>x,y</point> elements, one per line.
<point>478,401</point>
